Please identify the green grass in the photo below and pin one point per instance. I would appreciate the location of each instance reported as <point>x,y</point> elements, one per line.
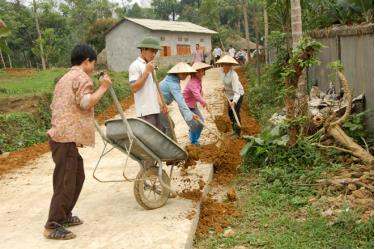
<point>20,129</point>
<point>270,220</point>
<point>36,83</point>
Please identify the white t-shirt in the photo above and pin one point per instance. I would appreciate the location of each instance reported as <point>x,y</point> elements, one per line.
<point>145,99</point>
<point>217,52</point>
<point>232,52</point>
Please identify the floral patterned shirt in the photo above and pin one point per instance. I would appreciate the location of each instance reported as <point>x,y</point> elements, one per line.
<point>71,123</point>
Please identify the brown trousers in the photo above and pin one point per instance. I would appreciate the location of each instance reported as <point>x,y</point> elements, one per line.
<point>68,178</point>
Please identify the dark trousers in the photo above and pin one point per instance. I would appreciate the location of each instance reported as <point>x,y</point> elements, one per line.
<point>155,120</point>
<point>68,178</point>
<point>237,108</point>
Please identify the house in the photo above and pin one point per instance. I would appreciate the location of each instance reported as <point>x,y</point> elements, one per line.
<point>178,41</point>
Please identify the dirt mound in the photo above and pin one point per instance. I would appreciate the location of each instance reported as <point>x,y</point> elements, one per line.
<point>18,159</point>
<point>227,160</point>
<point>223,123</point>
<point>215,215</point>
<point>194,195</point>
<point>205,153</point>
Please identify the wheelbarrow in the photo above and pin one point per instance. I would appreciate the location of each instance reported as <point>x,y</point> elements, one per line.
<point>141,141</point>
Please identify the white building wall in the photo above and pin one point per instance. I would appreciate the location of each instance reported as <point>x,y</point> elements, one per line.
<point>121,45</point>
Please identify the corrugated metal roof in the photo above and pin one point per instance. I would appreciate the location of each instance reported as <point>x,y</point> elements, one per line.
<point>172,26</point>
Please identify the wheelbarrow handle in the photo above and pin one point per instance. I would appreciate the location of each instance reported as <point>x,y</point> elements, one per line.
<point>120,111</point>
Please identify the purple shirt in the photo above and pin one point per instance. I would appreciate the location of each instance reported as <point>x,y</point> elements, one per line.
<point>198,56</point>
<point>193,93</point>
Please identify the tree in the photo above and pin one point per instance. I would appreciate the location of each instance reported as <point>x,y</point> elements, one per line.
<point>4,33</point>
<point>41,52</point>
<point>96,33</point>
<point>48,42</point>
<point>164,9</point>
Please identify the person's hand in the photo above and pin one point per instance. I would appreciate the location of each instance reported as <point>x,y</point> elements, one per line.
<point>233,104</point>
<point>164,109</point>
<point>105,81</point>
<point>207,108</point>
<point>195,117</point>
<point>150,67</point>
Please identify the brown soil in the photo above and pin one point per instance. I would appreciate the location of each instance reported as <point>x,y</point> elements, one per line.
<point>227,160</point>
<point>20,71</point>
<point>195,195</point>
<point>18,159</point>
<point>215,215</point>
<point>231,194</point>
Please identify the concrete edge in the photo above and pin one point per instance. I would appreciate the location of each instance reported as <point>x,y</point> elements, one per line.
<point>195,220</point>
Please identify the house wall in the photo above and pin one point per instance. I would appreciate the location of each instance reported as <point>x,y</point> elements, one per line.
<point>121,45</point>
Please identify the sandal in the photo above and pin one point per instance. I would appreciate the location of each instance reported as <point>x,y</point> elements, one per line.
<point>72,221</point>
<point>59,233</point>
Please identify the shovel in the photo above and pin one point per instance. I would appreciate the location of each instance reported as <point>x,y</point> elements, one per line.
<point>210,130</point>
<point>234,112</point>
<point>170,123</point>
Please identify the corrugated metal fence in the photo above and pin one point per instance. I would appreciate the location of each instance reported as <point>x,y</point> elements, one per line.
<point>354,46</point>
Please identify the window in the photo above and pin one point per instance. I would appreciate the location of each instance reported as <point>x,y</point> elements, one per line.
<point>179,38</point>
<point>183,49</point>
<point>186,39</point>
<point>165,51</point>
<point>202,40</point>
<point>162,38</point>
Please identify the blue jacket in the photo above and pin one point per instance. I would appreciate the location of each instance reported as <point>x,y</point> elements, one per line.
<point>171,90</point>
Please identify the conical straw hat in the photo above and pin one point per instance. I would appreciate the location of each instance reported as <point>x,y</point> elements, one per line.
<point>227,59</point>
<point>182,67</point>
<point>200,65</point>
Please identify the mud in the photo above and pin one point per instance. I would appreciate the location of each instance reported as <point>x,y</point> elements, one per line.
<point>215,215</point>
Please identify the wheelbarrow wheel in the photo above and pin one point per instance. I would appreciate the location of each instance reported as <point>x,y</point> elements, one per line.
<point>148,191</point>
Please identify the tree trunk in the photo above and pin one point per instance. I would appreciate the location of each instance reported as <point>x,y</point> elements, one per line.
<point>39,36</point>
<point>296,23</point>
<point>257,43</point>
<point>9,59</point>
<point>2,59</point>
<point>266,35</point>
<point>246,22</point>
<point>340,136</point>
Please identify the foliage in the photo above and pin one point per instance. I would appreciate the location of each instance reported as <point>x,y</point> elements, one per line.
<point>355,127</point>
<point>18,130</point>
<point>96,33</point>
<point>268,97</point>
<point>303,56</point>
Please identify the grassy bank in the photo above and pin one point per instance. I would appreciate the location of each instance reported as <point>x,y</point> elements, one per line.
<point>22,129</point>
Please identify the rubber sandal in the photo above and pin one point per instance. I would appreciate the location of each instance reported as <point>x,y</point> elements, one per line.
<point>72,221</point>
<point>59,233</point>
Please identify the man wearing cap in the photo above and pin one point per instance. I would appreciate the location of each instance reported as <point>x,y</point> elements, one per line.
<point>171,89</point>
<point>147,100</point>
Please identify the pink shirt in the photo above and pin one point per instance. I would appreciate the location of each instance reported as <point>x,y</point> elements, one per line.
<point>193,93</point>
<point>198,56</point>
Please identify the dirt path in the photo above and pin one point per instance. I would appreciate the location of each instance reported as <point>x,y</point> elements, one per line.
<point>112,217</point>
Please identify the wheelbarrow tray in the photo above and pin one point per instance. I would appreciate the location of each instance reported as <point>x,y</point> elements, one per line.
<point>145,135</point>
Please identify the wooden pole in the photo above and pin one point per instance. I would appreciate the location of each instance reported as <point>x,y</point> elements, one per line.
<point>170,123</point>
